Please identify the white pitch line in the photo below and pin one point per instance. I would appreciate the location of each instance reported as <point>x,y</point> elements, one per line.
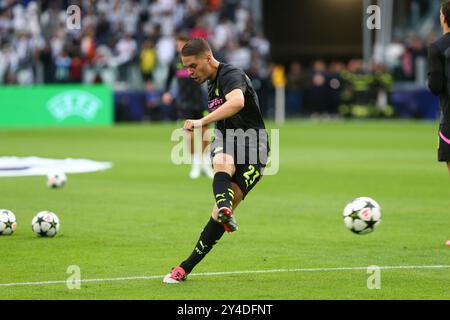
<point>38,283</point>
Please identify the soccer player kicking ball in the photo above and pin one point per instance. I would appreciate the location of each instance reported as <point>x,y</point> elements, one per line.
<point>240,148</point>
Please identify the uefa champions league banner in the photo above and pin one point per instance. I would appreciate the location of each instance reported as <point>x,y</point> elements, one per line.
<point>55,106</point>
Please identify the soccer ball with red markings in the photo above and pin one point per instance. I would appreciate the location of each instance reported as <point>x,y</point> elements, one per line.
<point>362,215</point>
<point>56,180</point>
<point>45,224</point>
<point>8,222</point>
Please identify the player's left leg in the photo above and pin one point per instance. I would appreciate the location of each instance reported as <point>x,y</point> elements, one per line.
<point>448,166</point>
<point>211,233</point>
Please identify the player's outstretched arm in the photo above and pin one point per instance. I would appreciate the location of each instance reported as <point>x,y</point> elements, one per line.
<point>234,103</point>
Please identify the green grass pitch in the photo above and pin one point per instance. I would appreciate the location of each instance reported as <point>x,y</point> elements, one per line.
<point>144,215</point>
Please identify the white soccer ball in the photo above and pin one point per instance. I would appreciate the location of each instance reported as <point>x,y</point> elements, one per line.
<point>56,180</point>
<point>45,224</point>
<point>8,222</point>
<point>362,215</point>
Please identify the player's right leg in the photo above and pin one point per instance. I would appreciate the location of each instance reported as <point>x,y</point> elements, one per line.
<point>224,170</point>
<point>448,166</point>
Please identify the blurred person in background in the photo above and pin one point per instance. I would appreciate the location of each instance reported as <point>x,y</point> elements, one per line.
<point>381,88</point>
<point>393,55</point>
<point>153,102</point>
<point>126,49</point>
<point>335,83</point>
<point>200,30</point>
<point>318,97</point>
<point>147,59</point>
<point>295,86</point>
<point>223,34</point>
<point>357,100</point>
<point>62,66</point>
<point>76,65</point>
<point>239,55</point>
<point>190,103</point>
<point>101,68</point>
<point>262,84</point>
<point>261,44</point>
<point>416,49</point>
<point>9,62</point>
<point>48,67</point>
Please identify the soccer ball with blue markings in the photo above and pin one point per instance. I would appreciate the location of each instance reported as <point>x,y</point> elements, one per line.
<point>8,222</point>
<point>45,224</point>
<point>362,215</point>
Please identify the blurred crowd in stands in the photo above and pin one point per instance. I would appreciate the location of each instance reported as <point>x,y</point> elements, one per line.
<point>116,34</point>
<point>130,44</point>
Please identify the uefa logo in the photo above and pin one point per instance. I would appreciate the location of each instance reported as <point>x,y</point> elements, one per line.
<point>74,103</point>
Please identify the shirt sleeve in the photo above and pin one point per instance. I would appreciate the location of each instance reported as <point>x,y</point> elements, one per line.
<point>436,77</point>
<point>233,79</point>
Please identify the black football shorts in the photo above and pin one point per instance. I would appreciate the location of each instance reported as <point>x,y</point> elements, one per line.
<point>444,143</point>
<point>250,160</point>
